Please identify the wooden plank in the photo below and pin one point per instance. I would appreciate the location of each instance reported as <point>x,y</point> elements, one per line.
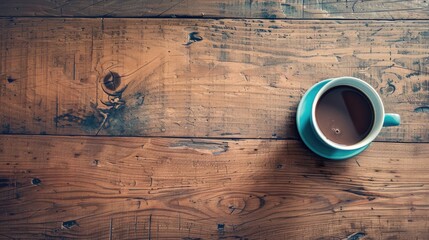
<point>140,188</point>
<point>317,9</point>
<point>234,79</point>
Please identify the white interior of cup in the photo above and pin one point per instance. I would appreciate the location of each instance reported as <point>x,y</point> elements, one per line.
<point>372,95</point>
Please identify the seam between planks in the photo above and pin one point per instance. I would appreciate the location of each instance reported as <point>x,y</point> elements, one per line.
<point>185,137</point>
<point>217,18</point>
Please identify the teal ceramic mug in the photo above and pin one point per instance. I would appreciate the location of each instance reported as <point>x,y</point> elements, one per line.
<point>310,129</point>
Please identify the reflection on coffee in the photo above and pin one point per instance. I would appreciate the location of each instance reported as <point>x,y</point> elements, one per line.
<point>344,115</point>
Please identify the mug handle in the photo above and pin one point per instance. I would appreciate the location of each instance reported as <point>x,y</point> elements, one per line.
<point>391,119</point>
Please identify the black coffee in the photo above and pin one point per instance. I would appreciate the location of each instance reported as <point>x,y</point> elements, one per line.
<point>344,115</point>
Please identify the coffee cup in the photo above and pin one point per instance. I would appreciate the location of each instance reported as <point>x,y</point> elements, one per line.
<point>338,118</point>
<point>348,114</point>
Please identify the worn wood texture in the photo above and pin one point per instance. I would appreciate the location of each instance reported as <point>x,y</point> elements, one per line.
<point>201,78</point>
<point>160,188</point>
<point>318,9</point>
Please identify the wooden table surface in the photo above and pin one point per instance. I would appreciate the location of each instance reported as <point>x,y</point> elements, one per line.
<point>175,119</point>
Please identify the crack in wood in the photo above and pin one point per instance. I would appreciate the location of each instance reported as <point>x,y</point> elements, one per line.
<point>110,229</point>
<point>150,227</point>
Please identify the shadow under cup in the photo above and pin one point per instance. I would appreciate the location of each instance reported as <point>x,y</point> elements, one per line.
<point>340,106</point>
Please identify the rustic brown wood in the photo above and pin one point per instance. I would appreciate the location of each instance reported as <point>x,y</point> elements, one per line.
<point>201,78</point>
<point>320,9</point>
<point>159,188</point>
<point>225,79</point>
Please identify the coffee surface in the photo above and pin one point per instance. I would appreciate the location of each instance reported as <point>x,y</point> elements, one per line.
<point>344,115</point>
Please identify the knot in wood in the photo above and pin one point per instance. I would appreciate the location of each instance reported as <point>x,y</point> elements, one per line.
<point>112,81</point>
<point>239,204</point>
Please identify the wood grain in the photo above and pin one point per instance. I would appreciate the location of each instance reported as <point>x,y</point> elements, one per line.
<point>201,78</point>
<point>160,188</point>
<point>316,9</point>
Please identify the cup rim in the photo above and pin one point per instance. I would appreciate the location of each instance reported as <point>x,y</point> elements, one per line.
<point>378,112</point>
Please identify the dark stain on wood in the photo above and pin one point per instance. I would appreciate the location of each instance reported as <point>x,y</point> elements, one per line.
<point>89,122</point>
<point>389,89</point>
<point>139,98</point>
<point>113,116</point>
<point>265,13</point>
<point>6,128</point>
<point>36,181</point>
<point>416,87</point>
<point>413,74</point>
<point>424,34</point>
<point>10,79</point>
<point>69,224</point>
<point>288,10</point>
<point>4,182</point>
<point>220,229</point>
<point>356,236</point>
<point>360,191</point>
<point>117,122</point>
<point>193,37</point>
<point>424,109</point>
